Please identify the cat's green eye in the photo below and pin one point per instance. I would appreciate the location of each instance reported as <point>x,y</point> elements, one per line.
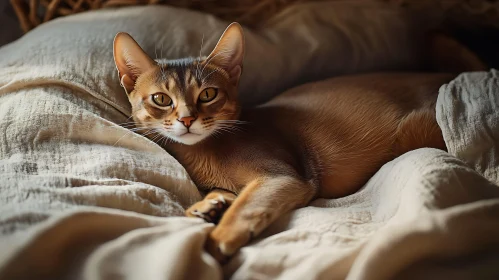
<point>161,99</point>
<point>208,95</point>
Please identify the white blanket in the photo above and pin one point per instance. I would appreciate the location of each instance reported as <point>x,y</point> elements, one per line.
<point>81,198</point>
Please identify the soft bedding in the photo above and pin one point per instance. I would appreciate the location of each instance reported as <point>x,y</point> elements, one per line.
<point>83,198</point>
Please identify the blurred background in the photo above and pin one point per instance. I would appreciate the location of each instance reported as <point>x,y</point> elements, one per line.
<point>10,27</point>
<point>473,22</point>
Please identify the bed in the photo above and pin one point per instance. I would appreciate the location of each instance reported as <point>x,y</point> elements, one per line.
<point>82,197</point>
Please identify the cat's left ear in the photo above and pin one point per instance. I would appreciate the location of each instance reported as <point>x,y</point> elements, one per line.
<point>130,59</point>
<point>229,52</point>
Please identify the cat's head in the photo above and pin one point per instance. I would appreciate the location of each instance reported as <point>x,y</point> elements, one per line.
<point>185,100</point>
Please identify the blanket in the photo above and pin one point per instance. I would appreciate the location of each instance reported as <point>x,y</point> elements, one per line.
<point>425,214</point>
<point>83,198</point>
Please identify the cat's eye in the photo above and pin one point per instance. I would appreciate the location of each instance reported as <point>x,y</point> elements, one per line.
<point>208,95</point>
<point>161,99</point>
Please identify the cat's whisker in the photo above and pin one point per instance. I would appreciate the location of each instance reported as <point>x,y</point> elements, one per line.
<point>225,129</point>
<point>159,142</point>
<point>149,132</point>
<point>114,145</point>
<point>163,141</point>
<point>126,133</point>
<point>158,135</point>
<point>135,123</point>
<point>137,129</point>
<point>146,135</point>
<point>127,125</point>
<point>126,121</point>
<point>199,59</point>
<point>161,50</point>
<point>154,135</point>
<point>224,114</point>
<point>215,134</point>
<point>238,129</point>
<point>162,71</point>
<point>231,122</point>
<point>158,139</point>
<point>228,130</point>
<point>168,140</point>
<point>138,125</point>
<point>234,126</point>
<point>224,120</point>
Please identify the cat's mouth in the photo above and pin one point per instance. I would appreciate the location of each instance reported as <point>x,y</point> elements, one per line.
<point>189,137</point>
<point>186,136</point>
<point>187,133</point>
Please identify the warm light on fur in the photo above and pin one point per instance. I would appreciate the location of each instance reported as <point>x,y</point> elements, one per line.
<point>319,140</point>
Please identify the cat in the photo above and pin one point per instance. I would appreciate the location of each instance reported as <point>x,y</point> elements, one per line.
<point>319,140</point>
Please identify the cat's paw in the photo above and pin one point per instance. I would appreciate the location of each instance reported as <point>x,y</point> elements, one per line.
<point>225,241</point>
<point>236,230</point>
<point>210,209</point>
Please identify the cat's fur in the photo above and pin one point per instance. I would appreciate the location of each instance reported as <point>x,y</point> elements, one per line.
<point>319,140</point>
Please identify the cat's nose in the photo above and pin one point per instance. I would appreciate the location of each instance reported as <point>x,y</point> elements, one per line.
<point>187,121</point>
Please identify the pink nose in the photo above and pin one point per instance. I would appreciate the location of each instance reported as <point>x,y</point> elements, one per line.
<point>187,121</point>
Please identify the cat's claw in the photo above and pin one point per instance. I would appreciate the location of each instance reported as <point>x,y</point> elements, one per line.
<point>211,210</point>
<point>197,213</point>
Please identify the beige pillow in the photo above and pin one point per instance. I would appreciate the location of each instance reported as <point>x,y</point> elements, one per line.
<point>305,42</point>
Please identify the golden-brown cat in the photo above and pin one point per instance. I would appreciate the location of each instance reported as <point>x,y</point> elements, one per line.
<point>319,140</point>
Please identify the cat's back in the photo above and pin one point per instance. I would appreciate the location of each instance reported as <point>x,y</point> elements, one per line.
<point>400,88</point>
<point>352,102</point>
<point>347,126</point>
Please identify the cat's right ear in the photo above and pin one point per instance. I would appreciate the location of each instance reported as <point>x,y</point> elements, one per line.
<point>229,52</point>
<point>131,61</point>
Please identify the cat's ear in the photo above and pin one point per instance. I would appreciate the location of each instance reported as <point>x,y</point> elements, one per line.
<point>229,52</point>
<point>131,61</point>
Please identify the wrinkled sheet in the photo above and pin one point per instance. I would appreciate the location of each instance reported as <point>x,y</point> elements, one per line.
<point>83,198</point>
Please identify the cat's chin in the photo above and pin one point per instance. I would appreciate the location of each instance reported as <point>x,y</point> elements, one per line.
<point>188,138</point>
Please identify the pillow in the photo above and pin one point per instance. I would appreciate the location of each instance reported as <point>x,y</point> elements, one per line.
<point>305,42</point>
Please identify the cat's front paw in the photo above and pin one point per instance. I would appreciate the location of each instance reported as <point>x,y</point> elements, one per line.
<point>237,229</point>
<point>225,241</point>
<point>210,209</point>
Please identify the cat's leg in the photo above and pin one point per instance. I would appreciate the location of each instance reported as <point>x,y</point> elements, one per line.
<point>212,207</point>
<point>260,203</point>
